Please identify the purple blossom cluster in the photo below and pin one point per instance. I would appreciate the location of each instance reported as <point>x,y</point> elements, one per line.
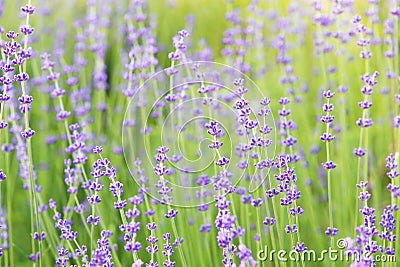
<point>365,243</point>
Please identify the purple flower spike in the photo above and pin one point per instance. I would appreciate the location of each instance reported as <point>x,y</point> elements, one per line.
<point>28,9</point>
<point>3,176</point>
<point>97,149</point>
<point>28,133</point>
<point>171,214</point>
<point>329,165</point>
<point>331,231</point>
<point>222,162</point>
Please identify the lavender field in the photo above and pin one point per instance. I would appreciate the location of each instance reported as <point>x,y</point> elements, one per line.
<point>199,133</point>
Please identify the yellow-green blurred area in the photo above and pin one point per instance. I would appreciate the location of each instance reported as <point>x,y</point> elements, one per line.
<point>171,15</point>
<point>54,22</point>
